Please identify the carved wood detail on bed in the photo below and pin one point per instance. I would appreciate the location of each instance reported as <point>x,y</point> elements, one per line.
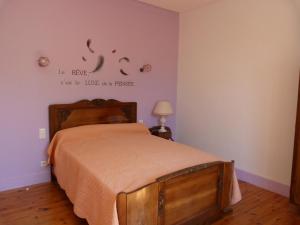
<point>85,112</point>
<point>194,196</point>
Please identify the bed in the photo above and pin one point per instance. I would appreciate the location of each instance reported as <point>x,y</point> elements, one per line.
<point>163,186</point>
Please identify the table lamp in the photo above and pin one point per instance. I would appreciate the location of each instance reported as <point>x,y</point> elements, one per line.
<point>163,109</point>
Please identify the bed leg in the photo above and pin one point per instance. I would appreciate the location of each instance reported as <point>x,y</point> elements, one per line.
<point>227,210</point>
<point>122,208</point>
<point>227,186</point>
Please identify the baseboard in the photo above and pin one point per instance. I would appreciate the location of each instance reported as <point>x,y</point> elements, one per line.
<point>264,183</point>
<point>42,177</point>
<point>31,179</point>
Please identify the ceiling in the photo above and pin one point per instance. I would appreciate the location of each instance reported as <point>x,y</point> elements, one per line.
<point>177,5</point>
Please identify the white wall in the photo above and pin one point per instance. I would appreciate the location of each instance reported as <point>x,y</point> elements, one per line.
<point>238,82</point>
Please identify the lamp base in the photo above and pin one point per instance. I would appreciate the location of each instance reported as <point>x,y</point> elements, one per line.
<point>162,124</point>
<point>162,129</point>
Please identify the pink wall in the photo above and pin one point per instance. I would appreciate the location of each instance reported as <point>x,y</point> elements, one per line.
<point>59,29</point>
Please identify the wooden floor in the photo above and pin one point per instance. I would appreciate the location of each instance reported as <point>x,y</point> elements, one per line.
<point>46,204</point>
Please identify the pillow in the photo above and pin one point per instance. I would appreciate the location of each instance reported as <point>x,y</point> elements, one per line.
<point>94,131</point>
<point>102,129</point>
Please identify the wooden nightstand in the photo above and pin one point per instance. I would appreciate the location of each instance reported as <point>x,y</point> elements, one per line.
<point>166,135</point>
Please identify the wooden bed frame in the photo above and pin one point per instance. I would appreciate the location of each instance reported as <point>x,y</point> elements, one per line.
<point>197,195</point>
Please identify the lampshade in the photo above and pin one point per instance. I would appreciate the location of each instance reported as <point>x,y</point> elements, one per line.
<point>163,108</point>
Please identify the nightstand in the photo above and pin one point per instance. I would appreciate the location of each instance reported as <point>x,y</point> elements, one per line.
<point>166,135</point>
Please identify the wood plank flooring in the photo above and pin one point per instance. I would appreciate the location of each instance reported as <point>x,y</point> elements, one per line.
<point>46,204</point>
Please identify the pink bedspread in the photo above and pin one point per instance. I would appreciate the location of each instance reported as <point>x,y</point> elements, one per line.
<point>95,163</point>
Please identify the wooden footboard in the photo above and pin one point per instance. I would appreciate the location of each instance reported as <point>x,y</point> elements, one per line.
<point>193,196</point>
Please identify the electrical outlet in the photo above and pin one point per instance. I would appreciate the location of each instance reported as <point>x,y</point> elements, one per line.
<point>42,133</point>
<point>44,163</point>
<point>141,121</point>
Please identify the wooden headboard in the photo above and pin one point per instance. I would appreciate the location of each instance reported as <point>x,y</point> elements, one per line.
<point>85,112</point>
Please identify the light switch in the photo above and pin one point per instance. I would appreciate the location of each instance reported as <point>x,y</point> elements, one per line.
<point>42,133</point>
